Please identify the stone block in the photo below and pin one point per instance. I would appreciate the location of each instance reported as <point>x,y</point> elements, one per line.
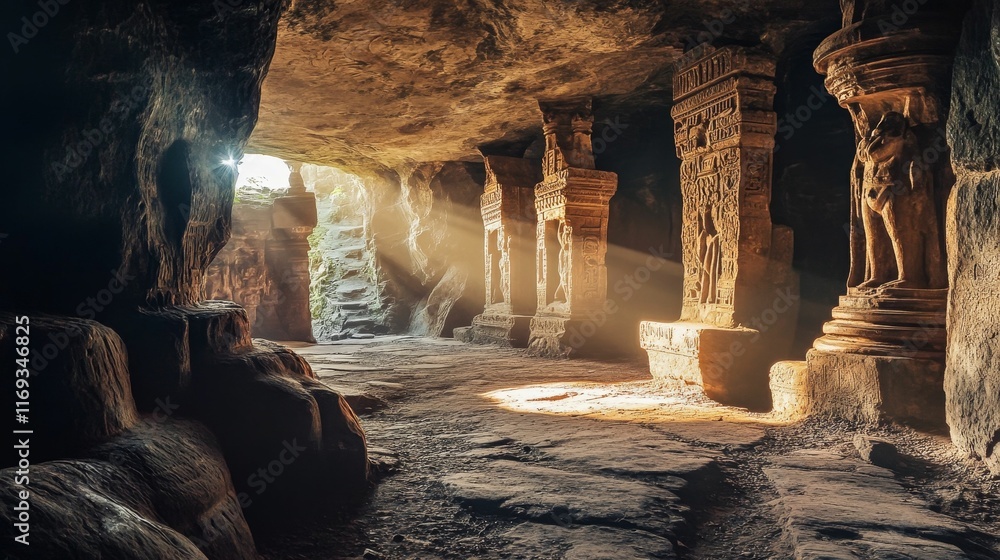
<point>789,382</point>
<point>78,383</point>
<point>725,362</point>
<point>869,389</point>
<point>501,330</point>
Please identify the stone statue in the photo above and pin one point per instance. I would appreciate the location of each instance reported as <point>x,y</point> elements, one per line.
<point>897,206</point>
<point>565,240</point>
<point>710,257</point>
<point>503,246</point>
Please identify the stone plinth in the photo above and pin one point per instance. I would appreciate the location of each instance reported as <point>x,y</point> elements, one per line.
<point>508,208</point>
<point>571,204</point>
<point>866,388</point>
<point>739,289</point>
<point>883,352</point>
<point>724,362</point>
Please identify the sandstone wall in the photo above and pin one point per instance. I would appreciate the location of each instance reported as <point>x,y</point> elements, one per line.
<point>972,375</point>
<point>116,201</point>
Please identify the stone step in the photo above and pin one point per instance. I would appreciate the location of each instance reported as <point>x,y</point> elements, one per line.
<point>352,305</point>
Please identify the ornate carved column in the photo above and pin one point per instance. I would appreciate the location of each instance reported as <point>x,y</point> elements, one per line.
<point>883,352</point>
<point>508,207</point>
<point>740,294</point>
<point>293,218</point>
<point>571,203</point>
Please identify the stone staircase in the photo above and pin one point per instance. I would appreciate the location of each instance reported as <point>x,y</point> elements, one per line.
<point>345,296</point>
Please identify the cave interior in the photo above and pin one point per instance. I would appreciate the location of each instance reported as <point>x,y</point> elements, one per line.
<point>596,279</point>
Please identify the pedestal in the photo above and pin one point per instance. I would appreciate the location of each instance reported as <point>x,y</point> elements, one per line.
<point>725,362</point>
<point>882,357</point>
<point>867,388</point>
<point>499,329</point>
<point>563,337</point>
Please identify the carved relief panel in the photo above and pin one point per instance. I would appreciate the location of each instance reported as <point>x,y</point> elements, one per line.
<point>902,173</point>
<point>724,134</point>
<point>508,217</point>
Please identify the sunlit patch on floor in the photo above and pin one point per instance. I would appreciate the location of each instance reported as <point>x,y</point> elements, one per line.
<point>646,401</point>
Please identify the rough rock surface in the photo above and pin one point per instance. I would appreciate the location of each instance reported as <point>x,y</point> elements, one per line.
<point>101,480</point>
<point>160,490</point>
<point>79,364</point>
<point>264,405</point>
<point>494,457</point>
<point>131,113</point>
<point>437,78</point>
<point>834,507</point>
<point>972,375</point>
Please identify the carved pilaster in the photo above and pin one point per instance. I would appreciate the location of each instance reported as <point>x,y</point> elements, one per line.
<point>740,294</point>
<point>293,218</point>
<point>508,208</point>
<point>571,204</point>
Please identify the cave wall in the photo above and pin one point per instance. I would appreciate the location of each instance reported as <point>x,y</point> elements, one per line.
<point>423,226</point>
<point>972,373</point>
<point>116,201</point>
<point>644,254</point>
<point>126,111</point>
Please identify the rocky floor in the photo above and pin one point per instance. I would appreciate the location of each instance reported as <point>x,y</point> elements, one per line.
<point>489,454</point>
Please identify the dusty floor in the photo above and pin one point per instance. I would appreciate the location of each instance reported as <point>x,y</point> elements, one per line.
<point>492,454</point>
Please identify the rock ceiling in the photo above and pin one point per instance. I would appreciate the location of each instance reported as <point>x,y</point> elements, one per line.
<point>374,84</point>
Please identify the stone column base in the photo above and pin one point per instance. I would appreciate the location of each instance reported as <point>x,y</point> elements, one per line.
<point>724,362</point>
<point>502,330</point>
<point>563,337</point>
<point>868,389</point>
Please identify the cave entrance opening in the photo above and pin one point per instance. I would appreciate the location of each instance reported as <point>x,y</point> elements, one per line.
<point>298,259</point>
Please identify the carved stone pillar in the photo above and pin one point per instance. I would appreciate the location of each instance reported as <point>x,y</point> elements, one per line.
<point>292,220</point>
<point>740,294</point>
<point>883,352</point>
<point>571,204</point>
<point>508,206</point>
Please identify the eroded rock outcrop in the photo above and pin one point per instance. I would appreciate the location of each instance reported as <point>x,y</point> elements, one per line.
<point>972,374</point>
<point>88,461</point>
<point>123,199</point>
